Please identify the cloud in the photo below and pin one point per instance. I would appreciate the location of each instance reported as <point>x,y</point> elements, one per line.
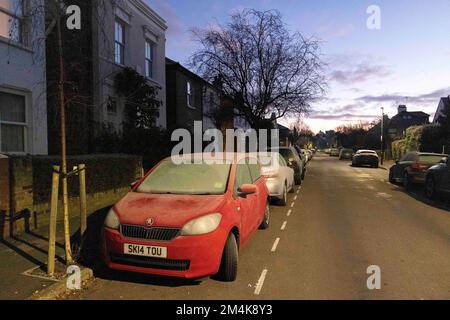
<point>347,112</point>
<point>425,98</point>
<point>342,116</point>
<point>176,27</point>
<point>354,68</point>
<point>332,29</point>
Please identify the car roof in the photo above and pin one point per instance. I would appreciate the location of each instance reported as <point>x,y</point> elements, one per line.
<point>431,154</point>
<point>232,156</point>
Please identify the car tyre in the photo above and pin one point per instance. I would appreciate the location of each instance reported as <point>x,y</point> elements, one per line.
<point>406,181</point>
<point>298,180</point>
<point>303,173</point>
<point>283,200</point>
<point>265,223</point>
<point>229,263</point>
<point>292,189</point>
<point>430,188</point>
<point>391,177</point>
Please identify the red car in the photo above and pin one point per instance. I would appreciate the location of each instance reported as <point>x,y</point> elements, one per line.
<point>188,220</point>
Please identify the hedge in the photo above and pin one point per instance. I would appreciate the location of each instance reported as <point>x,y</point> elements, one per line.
<point>103,173</point>
<point>411,142</point>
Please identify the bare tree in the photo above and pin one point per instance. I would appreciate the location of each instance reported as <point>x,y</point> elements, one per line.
<point>266,68</point>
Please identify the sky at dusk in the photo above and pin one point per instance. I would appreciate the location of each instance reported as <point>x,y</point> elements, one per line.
<point>407,61</point>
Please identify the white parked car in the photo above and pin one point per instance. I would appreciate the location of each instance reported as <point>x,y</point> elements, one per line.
<point>279,176</point>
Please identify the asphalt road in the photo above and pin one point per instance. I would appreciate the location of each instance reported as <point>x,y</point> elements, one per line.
<point>342,221</point>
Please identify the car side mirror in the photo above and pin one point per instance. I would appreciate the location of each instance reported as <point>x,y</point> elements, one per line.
<point>247,189</point>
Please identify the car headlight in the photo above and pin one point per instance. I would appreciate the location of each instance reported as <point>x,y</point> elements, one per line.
<point>202,225</point>
<point>112,221</point>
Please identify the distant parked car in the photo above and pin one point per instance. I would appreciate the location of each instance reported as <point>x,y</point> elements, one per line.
<point>309,154</point>
<point>279,176</point>
<point>293,160</point>
<point>437,179</point>
<point>365,158</point>
<point>334,152</point>
<point>346,154</point>
<point>304,158</point>
<point>412,168</point>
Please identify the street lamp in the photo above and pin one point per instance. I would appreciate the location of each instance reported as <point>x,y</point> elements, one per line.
<point>382,133</point>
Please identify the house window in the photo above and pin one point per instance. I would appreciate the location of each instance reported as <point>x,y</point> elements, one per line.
<point>119,40</point>
<point>190,95</point>
<point>12,122</point>
<point>12,20</point>
<point>149,46</point>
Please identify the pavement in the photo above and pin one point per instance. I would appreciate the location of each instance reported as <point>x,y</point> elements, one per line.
<point>23,260</point>
<point>19,257</point>
<point>341,221</point>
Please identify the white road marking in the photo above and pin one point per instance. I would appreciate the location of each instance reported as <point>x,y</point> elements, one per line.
<point>289,212</point>
<point>298,191</point>
<point>260,282</point>
<point>275,245</point>
<point>295,198</point>
<point>292,204</point>
<point>284,225</point>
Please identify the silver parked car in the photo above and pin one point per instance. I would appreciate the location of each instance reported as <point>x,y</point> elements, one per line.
<point>279,176</point>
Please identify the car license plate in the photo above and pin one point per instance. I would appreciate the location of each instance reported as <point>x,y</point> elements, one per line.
<point>144,251</point>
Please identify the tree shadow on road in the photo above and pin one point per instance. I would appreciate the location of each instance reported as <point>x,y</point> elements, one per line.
<point>417,193</point>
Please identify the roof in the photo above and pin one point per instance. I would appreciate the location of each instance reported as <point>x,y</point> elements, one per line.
<point>281,127</point>
<point>150,13</point>
<point>416,118</point>
<point>175,64</point>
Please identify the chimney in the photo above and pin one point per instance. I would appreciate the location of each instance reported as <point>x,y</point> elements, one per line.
<point>401,108</point>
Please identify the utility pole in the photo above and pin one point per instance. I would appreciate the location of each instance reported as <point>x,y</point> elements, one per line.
<point>382,134</point>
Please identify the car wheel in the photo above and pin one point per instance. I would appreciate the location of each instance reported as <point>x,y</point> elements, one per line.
<point>229,263</point>
<point>283,200</point>
<point>292,189</point>
<point>406,181</point>
<point>298,180</point>
<point>391,177</point>
<point>265,223</point>
<point>430,188</point>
